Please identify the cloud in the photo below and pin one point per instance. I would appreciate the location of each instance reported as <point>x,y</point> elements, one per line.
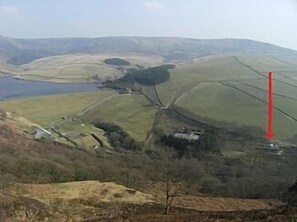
<point>153,6</point>
<point>8,10</point>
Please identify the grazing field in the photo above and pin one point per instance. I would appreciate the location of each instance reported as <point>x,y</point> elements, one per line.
<point>212,100</point>
<point>151,93</point>
<point>225,89</point>
<point>46,109</point>
<point>233,90</point>
<point>261,63</point>
<point>134,113</point>
<point>82,67</point>
<point>167,91</point>
<point>285,97</point>
<point>186,75</point>
<point>170,122</point>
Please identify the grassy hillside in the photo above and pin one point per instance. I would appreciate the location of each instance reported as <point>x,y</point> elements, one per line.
<point>230,89</point>
<point>83,67</point>
<point>46,109</point>
<point>221,103</point>
<point>233,90</point>
<point>6,68</point>
<point>222,82</point>
<point>76,201</point>
<point>26,160</point>
<point>22,51</point>
<point>134,113</point>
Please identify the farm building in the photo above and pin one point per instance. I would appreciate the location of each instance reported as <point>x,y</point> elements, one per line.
<point>190,137</point>
<point>271,148</point>
<point>40,134</point>
<point>188,134</point>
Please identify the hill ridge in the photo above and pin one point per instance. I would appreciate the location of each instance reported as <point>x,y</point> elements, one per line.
<point>21,51</point>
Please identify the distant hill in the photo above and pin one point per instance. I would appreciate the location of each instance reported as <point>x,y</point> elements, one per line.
<point>22,51</point>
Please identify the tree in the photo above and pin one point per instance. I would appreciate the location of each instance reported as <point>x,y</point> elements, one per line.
<point>173,186</point>
<point>172,190</point>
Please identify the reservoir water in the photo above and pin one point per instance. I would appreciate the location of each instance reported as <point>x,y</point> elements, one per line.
<point>11,88</point>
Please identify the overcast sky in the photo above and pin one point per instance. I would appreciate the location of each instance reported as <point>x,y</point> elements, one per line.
<point>273,21</point>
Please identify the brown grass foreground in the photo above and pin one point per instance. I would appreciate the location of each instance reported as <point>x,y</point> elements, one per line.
<point>101,201</point>
<point>27,209</point>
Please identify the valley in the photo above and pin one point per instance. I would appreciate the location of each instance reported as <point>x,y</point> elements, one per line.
<point>72,151</point>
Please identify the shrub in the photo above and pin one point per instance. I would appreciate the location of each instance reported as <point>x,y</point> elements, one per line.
<point>209,184</point>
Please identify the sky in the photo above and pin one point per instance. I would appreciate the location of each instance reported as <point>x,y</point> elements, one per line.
<point>273,21</point>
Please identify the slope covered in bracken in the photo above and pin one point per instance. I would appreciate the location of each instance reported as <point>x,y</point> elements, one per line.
<point>33,188</point>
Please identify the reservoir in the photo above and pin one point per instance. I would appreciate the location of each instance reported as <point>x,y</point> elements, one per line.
<point>11,88</point>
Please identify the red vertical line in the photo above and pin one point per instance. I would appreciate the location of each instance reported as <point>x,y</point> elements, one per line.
<point>269,134</point>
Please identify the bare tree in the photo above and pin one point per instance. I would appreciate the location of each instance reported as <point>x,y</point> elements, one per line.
<point>172,190</point>
<point>173,187</point>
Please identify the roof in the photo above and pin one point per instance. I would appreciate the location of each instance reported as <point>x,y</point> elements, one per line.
<point>42,133</point>
<point>186,136</point>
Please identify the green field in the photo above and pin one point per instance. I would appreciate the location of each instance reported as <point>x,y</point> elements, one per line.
<point>170,122</point>
<point>167,91</point>
<point>46,109</point>
<point>209,100</point>
<point>134,113</point>
<point>196,87</point>
<point>261,63</point>
<point>151,93</point>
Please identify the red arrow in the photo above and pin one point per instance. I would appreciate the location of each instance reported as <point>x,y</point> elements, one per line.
<point>269,133</point>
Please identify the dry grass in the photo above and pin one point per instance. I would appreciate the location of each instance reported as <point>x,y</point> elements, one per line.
<point>8,68</point>
<point>112,192</point>
<point>206,203</point>
<point>82,67</point>
<point>101,191</point>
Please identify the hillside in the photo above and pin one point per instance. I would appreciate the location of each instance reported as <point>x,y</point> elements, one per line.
<point>107,201</point>
<point>223,90</point>
<point>21,51</point>
<point>76,60</point>
<point>26,160</point>
<point>73,68</point>
<point>123,135</point>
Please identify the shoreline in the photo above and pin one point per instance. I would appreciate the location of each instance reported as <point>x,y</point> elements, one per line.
<point>15,88</point>
<point>56,80</point>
